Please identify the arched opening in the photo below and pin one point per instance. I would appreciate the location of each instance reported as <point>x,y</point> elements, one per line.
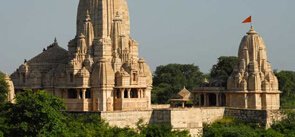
<point>88,93</point>
<point>118,93</point>
<point>212,99</point>
<point>202,100</point>
<point>134,93</point>
<point>72,93</point>
<point>125,93</point>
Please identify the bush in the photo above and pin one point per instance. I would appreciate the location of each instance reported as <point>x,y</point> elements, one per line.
<point>229,127</point>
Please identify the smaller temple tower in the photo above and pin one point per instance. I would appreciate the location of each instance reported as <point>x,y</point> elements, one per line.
<point>253,84</point>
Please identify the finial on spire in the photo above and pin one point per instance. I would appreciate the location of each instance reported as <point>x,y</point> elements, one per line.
<point>87,13</point>
<point>251,31</point>
<point>87,17</point>
<point>55,40</point>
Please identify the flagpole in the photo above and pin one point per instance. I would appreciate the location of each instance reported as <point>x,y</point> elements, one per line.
<point>251,21</point>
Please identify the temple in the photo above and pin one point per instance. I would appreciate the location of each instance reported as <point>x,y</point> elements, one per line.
<point>252,85</point>
<point>100,71</point>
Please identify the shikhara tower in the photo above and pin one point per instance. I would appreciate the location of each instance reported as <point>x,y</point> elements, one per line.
<point>253,83</point>
<point>101,70</point>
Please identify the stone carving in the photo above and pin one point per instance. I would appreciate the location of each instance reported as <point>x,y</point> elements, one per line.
<point>102,47</point>
<point>258,82</point>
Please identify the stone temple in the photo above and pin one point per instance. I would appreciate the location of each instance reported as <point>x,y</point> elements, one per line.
<point>253,83</point>
<point>100,71</point>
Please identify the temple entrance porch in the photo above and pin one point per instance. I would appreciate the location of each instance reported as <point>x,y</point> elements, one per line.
<point>130,99</point>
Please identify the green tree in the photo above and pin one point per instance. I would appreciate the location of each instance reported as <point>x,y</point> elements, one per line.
<point>3,88</point>
<point>229,127</point>
<point>34,114</point>
<point>91,125</point>
<point>286,126</point>
<point>287,86</point>
<point>171,78</point>
<point>223,69</point>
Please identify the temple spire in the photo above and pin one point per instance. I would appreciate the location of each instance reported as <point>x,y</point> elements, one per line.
<point>102,12</point>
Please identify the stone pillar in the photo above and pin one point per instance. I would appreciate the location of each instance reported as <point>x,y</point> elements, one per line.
<point>129,90</point>
<point>78,93</point>
<point>182,104</point>
<point>143,93</point>
<point>246,100</point>
<point>217,99</point>
<point>138,93</point>
<point>205,99</point>
<point>83,93</point>
<point>200,100</point>
<point>122,93</point>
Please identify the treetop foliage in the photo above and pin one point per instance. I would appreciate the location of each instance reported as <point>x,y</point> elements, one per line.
<point>168,80</point>
<point>39,114</point>
<point>229,127</point>
<point>287,87</point>
<point>34,114</point>
<point>224,68</point>
<point>3,88</point>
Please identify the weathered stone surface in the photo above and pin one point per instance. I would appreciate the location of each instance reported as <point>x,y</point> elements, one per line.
<point>264,117</point>
<point>253,84</point>
<point>101,70</point>
<point>190,119</point>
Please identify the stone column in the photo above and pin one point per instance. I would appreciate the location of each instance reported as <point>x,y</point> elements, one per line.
<point>122,93</point>
<point>83,93</point>
<point>129,90</point>
<point>78,93</point>
<point>143,93</point>
<point>205,99</point>
<point>200,100</point>
<point>246,100</point>
<point>183,104</point>
<point>217,99</point>
<point>140,93</point>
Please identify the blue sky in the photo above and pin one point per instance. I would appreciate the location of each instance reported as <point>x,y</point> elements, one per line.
<point>168,31</point>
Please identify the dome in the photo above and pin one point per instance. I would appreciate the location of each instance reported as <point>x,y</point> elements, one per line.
<point>184,94</point>
<point>252,47</point>
<point>53,54</point>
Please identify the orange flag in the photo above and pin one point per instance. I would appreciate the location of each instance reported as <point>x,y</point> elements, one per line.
<point>248,20</point>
